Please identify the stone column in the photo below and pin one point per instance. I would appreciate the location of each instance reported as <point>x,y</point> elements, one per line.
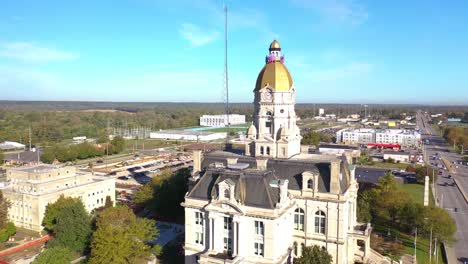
<point>210,227</point>
<point>235,239</point>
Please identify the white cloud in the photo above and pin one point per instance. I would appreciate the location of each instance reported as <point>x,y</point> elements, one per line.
<point>196,36</point>
<point>343,11</point>
<point>30,52</point>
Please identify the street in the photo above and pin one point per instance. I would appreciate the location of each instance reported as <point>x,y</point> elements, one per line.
<point>449,185</point>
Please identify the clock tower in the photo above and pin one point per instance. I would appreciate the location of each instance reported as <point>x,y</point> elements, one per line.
<point>274,132</point>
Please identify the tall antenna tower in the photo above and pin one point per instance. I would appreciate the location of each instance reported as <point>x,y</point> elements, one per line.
<point>226,79</point>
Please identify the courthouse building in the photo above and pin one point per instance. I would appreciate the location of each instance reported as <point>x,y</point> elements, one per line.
<point>267,204</point>
<point>31,189</point>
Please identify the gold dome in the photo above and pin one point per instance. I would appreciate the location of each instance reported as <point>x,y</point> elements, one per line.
<point>276,75</point>
<point>275,45</point>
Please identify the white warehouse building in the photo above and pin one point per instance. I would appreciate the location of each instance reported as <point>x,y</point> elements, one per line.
<point>221,120</point>
<point>187,135</point>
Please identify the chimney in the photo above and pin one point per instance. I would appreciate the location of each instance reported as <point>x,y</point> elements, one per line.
<point>262,164</point>
<point>335,176</point>
<point>197,160</point>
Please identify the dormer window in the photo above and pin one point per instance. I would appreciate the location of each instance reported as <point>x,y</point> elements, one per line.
<point>226,193</point>
<point>310,184</point>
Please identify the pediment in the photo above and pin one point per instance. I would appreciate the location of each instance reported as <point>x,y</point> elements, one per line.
<point>224,206</point>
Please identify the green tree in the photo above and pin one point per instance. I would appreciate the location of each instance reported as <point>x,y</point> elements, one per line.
<point>120,237</point>
<point>109,202</point>
<point>118,144</point>
<point>364,206</point>
<point>56,255</point>
<point>311,138</point>
<point>48,156</point>
<point>442,225</point>
<point>68,219</point>
<point>4,205</point>
<point>314,255</point>
<point>389,200</point>
<point>2,157</point>
<point>7,232</point>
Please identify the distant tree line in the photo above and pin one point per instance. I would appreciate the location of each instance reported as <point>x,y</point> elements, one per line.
<point>66,153</point>
<point>52,122</point>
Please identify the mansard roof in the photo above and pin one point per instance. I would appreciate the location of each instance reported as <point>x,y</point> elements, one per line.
<point>257,188</point>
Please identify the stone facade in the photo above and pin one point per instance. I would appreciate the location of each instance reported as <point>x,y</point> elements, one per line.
<point>265,205</point>
<point>31,189</point>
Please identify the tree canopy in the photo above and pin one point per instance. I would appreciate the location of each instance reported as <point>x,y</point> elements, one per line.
<point>56,255</point>
<point>69,221</point>
<point>121,237</point>
<point>4,205</point>
<point>314,255</point>
<point>165,193</point>
<point>314,138</point>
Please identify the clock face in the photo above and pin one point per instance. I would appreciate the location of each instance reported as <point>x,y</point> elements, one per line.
<point>268,96</point>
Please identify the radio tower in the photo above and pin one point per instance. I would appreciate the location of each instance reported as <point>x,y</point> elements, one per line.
<point>226,79</point>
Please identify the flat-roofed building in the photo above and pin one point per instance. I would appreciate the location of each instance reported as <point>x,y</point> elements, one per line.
<point>30,189</point>
<point>187,135</point>
<point>404,137</point>
<point>397,156</point>
<point>221,120</point>
<point>356,136</point>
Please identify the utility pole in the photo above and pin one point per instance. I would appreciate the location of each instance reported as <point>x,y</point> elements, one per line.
<point>226,78</point>
<point>430,246</point>
<point>30,138</point>
<point>415,240</point>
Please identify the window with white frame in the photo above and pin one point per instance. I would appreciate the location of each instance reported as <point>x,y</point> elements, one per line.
<point>259,229</point>
<point>320,220</point>
<point>199,218</point>
<point>227,223</point>
<point>199,238</point>
<point>258,249</point>
<point>299,219</point>
<point>227,245</point>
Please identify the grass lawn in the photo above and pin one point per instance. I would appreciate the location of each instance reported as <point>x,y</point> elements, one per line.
<point>225,129</point>
<point>422,248</point>
<point>148,143</point>
<point>416,192</point>
<point>389,165</point>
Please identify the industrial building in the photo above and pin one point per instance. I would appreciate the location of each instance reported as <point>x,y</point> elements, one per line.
<point>10,145</point>
<point>30,189</point>
<point>221,120</point>
<point>404,137</point>
<point>187,135</point>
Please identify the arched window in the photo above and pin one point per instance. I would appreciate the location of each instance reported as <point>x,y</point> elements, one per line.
<point>226,193</point>
<point>261,150</point>
<point>310,184</point>
<point>299,219</point>
<point>320,220</point>
<point>268,150</point>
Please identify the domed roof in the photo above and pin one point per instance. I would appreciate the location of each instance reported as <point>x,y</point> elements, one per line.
<point>275,45</point>
<point>252,131</point>
<point>276,75</point>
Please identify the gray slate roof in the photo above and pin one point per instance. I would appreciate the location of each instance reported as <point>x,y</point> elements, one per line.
<point>253,186</point>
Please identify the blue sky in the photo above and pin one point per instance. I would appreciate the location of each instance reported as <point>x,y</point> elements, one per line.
<point>338,51</point>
